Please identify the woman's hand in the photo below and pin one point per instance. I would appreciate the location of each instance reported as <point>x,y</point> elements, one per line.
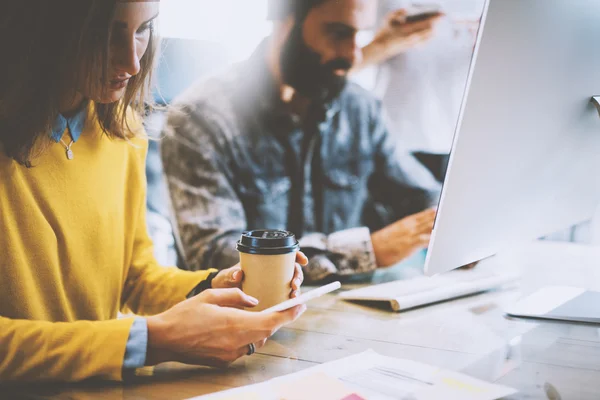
<point>233,277</point>
<point>209,329</point>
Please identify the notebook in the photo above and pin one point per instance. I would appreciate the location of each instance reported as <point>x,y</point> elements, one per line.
<point>561,303</point>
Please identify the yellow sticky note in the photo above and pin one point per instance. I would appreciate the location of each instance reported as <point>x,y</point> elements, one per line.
<point>462,385</point>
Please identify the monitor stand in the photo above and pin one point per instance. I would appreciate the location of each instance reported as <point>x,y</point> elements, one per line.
<point>596,102</point>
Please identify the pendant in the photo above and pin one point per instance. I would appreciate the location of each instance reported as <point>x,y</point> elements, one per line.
<point>69,154</point>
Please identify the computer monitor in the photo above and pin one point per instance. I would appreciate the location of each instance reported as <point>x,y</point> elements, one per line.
<point>525,160</point>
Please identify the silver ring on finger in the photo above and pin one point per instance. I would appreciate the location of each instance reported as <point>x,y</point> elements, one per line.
<point>251,349</point>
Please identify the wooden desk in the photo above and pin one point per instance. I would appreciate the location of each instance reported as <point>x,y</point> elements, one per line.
<point>541,359</point>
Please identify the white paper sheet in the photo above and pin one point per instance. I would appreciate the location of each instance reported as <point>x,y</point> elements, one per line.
<point>371,376</point>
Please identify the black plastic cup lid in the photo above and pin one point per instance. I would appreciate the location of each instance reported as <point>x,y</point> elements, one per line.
<point>268,242</point>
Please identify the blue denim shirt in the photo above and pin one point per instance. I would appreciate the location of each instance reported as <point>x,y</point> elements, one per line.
<point>137,343</point>
<point>236,159</point>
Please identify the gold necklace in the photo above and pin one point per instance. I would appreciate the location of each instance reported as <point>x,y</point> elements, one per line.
<point>69,152</point>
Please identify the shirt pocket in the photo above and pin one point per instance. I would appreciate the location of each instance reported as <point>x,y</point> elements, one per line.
<point>348,175</point>
<point>345,192</point>
<point>266,202</point>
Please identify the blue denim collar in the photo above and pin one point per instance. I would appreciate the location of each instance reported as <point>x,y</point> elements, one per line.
<point>76,123</point>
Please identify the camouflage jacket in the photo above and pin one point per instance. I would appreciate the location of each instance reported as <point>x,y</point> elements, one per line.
<point>235,160</point>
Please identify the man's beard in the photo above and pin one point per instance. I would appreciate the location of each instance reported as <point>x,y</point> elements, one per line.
<point>301,68</point>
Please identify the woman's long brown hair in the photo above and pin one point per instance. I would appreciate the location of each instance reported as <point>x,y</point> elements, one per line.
<point>46,47</point>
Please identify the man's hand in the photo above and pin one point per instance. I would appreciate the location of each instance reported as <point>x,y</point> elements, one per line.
<point>402,239</point>
<point>396,36</point>
<point>469,266</point>
<point>209,329</point>
<point>233,277</point>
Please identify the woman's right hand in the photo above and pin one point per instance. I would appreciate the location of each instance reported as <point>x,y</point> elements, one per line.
<point>210,329</point>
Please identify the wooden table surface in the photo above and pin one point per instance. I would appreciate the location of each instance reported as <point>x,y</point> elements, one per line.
<point>545,360</point>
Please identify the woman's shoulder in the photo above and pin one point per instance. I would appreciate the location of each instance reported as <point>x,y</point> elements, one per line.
<point>132,123</point>
<point>135,124</point>
<point>133,144</point>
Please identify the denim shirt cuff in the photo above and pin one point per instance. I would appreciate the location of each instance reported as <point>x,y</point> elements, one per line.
<point>355,249</point>
<point>137,345</point>
<point>345,252</point>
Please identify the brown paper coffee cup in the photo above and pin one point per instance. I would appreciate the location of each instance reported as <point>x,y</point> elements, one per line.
<point>268,259</point>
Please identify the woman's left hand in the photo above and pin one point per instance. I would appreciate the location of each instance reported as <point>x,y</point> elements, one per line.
<point>233,277</point>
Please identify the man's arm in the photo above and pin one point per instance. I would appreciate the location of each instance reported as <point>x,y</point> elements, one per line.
<point>402,193</point>
<point>401,185</point>
<point>209,216</point>
<point>401,189</point>
<point>395,37</point>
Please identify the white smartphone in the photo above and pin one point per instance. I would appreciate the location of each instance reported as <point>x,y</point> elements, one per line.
<point>313,294</point>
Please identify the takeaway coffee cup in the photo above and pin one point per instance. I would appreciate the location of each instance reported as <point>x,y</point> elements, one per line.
<point>268,259</point>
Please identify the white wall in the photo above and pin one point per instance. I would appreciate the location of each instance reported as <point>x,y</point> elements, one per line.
<point>237,25</point>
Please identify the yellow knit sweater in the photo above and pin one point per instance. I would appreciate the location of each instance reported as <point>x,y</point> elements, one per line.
<point>74,250</point>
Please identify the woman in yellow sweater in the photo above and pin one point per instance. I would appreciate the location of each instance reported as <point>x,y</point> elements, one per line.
<point>73,243</point>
